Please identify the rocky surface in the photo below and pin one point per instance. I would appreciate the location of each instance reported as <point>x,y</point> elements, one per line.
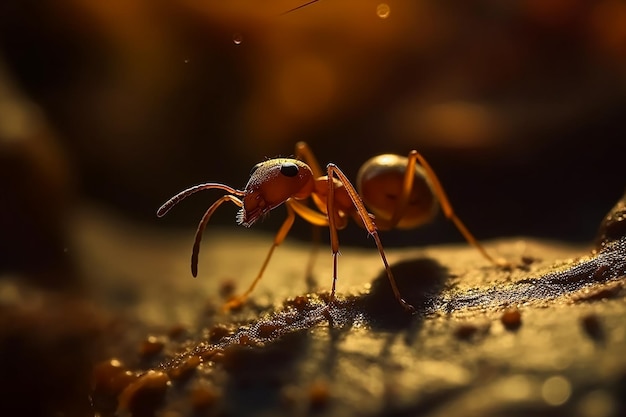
<point>546,337</point>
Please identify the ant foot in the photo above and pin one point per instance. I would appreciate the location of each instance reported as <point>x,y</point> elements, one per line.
<point>407,307</point>
<point>326,313</point>
<point>504,265</point>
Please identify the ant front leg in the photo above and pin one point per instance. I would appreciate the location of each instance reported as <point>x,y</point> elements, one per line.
<point>369,224</point>
<point>237,301</point>
<point>195,252</point>
<point>437,188</point>
<point>304,153</point>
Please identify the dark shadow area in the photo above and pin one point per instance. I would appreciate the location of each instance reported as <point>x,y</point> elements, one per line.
<point>420,282</point>
<point>257,375</point>
<point>151,98</point>
<point>46,359</point>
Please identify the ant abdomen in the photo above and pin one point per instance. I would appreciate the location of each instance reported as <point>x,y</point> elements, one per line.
<point>381,182</point>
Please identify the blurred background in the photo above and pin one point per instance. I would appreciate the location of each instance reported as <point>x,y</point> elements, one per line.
<point>519,106</point>
<point>119,104</point>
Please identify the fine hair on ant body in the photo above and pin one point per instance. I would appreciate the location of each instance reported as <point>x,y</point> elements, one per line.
<point>401,192</point>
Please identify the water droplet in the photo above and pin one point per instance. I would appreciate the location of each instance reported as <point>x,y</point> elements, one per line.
<point>186,61</point>
<point>383,10</point>
<point>237,38</point>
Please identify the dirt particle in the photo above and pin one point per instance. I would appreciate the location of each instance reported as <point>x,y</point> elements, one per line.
<point>319,394</point>
<point>592,326</point>
<point>218,332</point>
<point>185,369</point>
<point>110,378</point>
<point>211,354</point>
<point>526,262</point>
<point>143,396</point>
<point>150,347</point>
<point>266,329</point>
<point>300,303</point>
<point>600,273</point>
<point>290,318</point>
<point>511,318</point>
<point>245,339</point>
<point>465,331</point>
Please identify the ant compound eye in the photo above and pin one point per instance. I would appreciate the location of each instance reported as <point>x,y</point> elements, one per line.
<point>254,168</point>
<point>289,169</point>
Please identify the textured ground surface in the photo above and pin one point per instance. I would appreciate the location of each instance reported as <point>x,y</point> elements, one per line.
<point>546,337</point>
<point>144,338</point>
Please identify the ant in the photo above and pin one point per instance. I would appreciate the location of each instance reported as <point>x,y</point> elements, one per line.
<point>399,192</point>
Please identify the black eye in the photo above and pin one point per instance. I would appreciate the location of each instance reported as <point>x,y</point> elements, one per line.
<point>254,168</point>
<point>289,169</point>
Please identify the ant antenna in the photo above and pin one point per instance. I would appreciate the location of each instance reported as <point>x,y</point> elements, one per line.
<point>299,7</point>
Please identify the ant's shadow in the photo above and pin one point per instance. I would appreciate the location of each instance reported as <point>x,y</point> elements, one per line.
<point>265,372</point>
<point>420,282</point>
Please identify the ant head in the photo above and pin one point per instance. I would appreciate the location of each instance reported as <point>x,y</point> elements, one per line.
<point>380,181</point>
<point>271,183</point>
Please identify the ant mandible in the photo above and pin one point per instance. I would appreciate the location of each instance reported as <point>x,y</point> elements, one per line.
<point>400,193</point>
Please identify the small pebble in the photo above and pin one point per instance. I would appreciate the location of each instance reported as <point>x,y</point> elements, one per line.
<point>511,318</point>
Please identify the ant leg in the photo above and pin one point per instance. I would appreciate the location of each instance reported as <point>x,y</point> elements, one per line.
<point>305,154</point>
<point>414,156</point>
<point>332,226</point>
<point>368,221</point>
<point>317,220</point>
<point>310,280</point>
<point>238,301</point>
<point>202,225</point>
<point>403,200</point>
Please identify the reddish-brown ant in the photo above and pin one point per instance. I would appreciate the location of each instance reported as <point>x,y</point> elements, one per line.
<point>400,193</point>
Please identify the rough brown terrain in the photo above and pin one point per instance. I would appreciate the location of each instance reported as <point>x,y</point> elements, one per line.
<point>546,337</point>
